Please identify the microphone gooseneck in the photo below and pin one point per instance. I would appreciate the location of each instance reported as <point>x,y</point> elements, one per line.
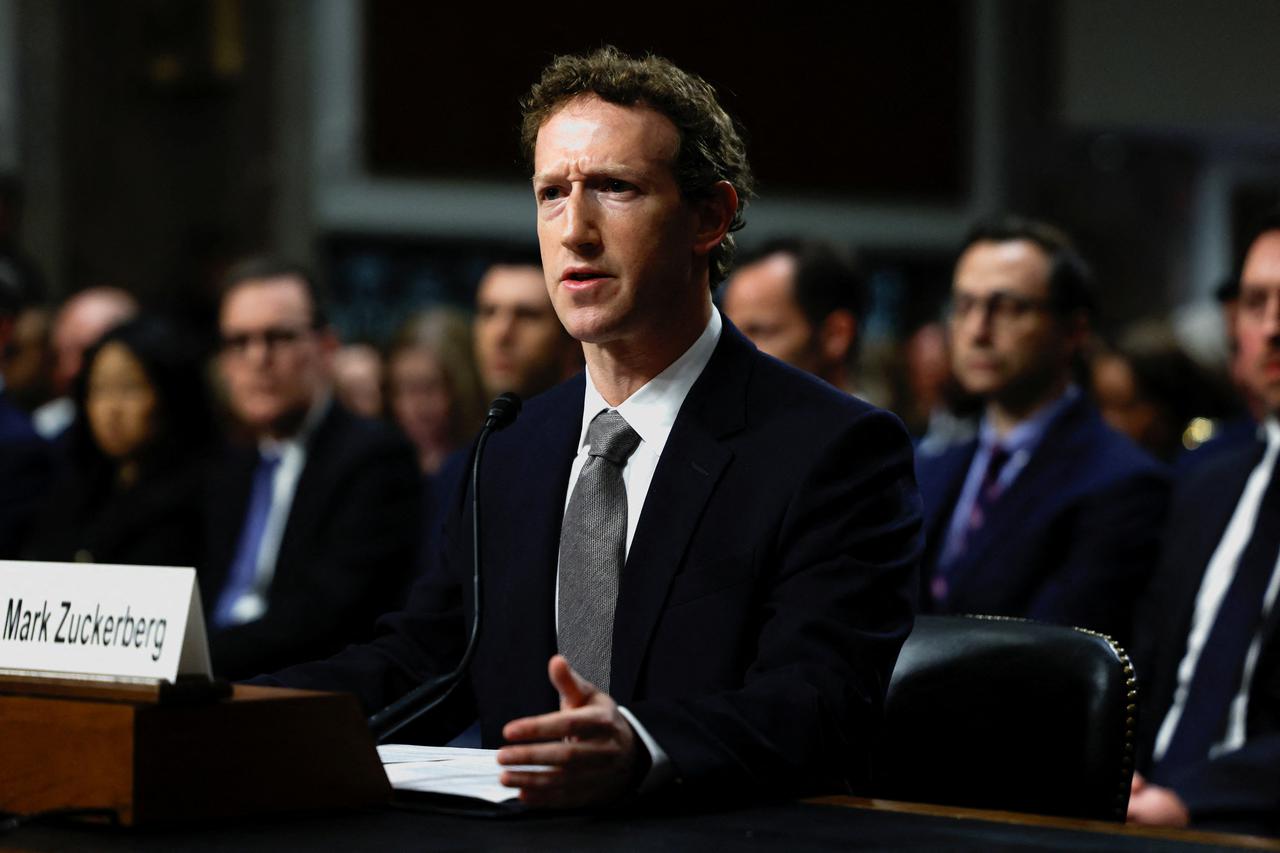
<point>426,696</point>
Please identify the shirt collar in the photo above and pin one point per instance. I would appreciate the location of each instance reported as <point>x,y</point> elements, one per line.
<point>1270,431</point>
<point>651,411</point>
<point>1028,434</point>
<point>277,447</point>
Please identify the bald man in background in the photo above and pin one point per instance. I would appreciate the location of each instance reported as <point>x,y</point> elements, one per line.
<point>804,302</point>
<point>80,322</point>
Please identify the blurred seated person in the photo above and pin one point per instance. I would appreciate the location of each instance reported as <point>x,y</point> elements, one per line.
<point>312,519</point>
<point>1207,653</point>
<point>139,448</point>
<point>520,345</point>
<point>1049,513</point>
<point>26,459</point>
<point>358,379</point>
<point>801,301</point>
<point>81,321</point>
<point>1148,388</point>
<point>432,388</point>
<point>937,410</point>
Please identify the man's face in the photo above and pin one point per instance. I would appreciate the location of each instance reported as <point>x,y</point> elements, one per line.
<point>1006,343</point>
<point>520,344</point>
<point>617,238</point>
<point>1258,321</point>
<point>760,300</point>
<point>274,362</point>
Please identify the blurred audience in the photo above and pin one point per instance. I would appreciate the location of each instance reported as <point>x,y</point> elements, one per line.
<point>313,526</point>
<point>1207,650</point>
<point>801,301</point>
<point>79,324</point>
<point>520,345</point>
<point>1048,513</point>
<point>26,459</point>
<point>1148,388</point>
<point>133,490</point>
<point>358,379</point>
<point>937,409</point>
<point>433,390</point>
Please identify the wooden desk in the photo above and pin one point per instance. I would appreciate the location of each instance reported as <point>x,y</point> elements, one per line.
<point>831,824</point>
<point>1231,840</point>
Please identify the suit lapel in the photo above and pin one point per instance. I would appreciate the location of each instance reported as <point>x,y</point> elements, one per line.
<point>691,464</point>
<point>1035,492</point>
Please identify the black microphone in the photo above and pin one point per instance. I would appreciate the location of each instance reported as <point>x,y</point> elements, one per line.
<point>426,696</point>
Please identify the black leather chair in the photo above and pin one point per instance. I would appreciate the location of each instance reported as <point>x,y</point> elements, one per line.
<point>997,713</point>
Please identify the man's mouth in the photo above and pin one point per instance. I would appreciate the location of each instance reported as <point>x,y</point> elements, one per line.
<point>581,278</point>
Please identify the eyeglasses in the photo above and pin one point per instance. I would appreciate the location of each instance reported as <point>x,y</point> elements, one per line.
<point>1001,306</point>
<point>273,339</point>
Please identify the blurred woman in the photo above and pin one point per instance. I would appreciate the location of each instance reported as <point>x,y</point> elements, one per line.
<point>433,386</point>
<point>1148,388</point>
<point>133,485</point>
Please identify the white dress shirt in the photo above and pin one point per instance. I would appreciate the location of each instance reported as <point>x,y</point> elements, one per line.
<point>1217,579</point>
<point>651,412</point>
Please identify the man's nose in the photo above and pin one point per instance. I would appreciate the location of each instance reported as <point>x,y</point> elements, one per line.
<point>580,234</point>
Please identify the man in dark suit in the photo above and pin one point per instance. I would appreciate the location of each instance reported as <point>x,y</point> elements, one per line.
<point>1048,514</point>
<point>723,546</point>
<point>26,460</point>
<point>802,301</point>
<point>312,526</point>
<point>1208,650</point>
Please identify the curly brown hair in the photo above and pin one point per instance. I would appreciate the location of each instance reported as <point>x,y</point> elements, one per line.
<point>711,147</point>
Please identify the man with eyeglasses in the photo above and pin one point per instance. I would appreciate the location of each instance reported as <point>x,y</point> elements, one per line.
<point>1208,648</point>
<point>312,524</point>
<point>1048,513</point>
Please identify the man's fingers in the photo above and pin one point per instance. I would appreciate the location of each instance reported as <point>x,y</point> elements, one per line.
<point>580,723</point>
<point>568,754</point>
<point>574,690</point>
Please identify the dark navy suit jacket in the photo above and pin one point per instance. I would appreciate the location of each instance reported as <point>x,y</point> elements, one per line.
<point>1073,540</point>
<point>767,591</point>
<point>348,544</point>
<point>1239,790</point>
<point>26,468</point>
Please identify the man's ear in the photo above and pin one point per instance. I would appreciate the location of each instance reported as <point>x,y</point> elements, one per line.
<point>714,216</point>
<point>837,334</point>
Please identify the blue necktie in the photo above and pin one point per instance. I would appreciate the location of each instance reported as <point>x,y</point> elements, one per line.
<point>988,492</point>
<point>244,567</point>
<point>1220,668</point>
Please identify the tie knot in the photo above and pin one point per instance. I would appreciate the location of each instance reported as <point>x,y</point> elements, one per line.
<point>612,437</point>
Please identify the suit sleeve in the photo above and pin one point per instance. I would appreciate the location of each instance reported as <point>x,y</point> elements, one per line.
<point>835,603</point>
<point>1238,790</point>
<point>364,547</point>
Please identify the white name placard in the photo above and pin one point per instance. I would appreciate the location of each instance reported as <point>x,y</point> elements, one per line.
<point>101,620</point>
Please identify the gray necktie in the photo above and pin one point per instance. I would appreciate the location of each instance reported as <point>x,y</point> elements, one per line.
<point>593,543</point>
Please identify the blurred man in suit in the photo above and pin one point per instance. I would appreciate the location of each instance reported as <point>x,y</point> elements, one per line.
<point>26,460</point>
<point>802,301</point>
<point>1049,513</point>
<point>1208,647</point>
<point>519,342</point>
<point>313,525</point>
<point>700,561</point>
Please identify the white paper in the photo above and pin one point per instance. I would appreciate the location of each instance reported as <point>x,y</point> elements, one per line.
<point>447,770</point>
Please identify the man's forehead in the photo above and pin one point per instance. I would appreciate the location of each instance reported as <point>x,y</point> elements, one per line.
<point>280,297</point>
<point>1018,265</point>
<point>592,133</point>
<point>508,283</point>
<point>1262,263</point>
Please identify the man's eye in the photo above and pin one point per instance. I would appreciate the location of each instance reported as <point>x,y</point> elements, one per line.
<point>549,193</point>
<point>615,186</point>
